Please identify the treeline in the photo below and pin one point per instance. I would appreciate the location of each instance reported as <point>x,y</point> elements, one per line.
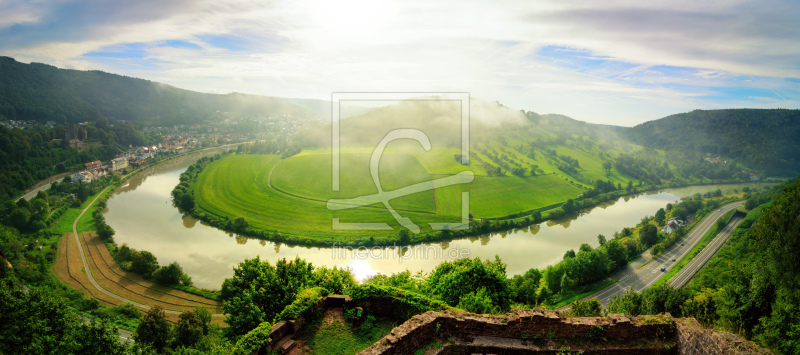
<point>146,264</point>
<point>45,93</point>
<point>765,139</point>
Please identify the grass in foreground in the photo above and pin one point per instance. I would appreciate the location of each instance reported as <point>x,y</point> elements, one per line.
<point>339,338</point>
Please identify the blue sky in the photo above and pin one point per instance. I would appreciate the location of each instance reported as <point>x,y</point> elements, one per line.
<point>622,62</point>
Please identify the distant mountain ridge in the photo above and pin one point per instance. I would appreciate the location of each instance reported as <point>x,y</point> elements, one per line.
<point>765,139</point>
<point>45,93</point>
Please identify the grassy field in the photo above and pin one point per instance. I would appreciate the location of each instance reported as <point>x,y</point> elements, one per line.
<point>295,203</point>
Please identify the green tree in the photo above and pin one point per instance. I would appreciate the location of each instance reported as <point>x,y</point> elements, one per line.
<point>588,308</point>
<point>185,202</point>
<point>336,280</point>
<point>240,224</point>
<point>189,329</point>
<point>97,338</point>
<point>205,317</point>
<point>660,216</point>
<point>607,166</point>
<point>601,239</point>
<point>631,303</point>
<point>404,236</point>
<point>778,233</point>
<point>169,275</point>
<point>524,287</point>
<point>258,291</point>
<point>153,329</point>
<point>648,235</point>
<point>478,302</point>
<point>452,280</point>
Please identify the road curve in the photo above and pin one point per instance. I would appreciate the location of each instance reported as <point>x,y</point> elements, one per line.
<point>642,278</point>
<point>89,271</point>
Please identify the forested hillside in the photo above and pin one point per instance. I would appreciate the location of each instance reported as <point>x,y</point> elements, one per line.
<point>45,93</point>
<point>767,140</point>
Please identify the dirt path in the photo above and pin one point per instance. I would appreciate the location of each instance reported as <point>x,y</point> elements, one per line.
<point>88,270</point>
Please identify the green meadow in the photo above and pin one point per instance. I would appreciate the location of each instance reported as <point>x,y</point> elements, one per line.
<point>290,195</point>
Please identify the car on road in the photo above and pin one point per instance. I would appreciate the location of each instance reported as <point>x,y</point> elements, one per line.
<point>673,259</point>
<point>663,269</point>
<point>681,244</point>
<point>719,210</point>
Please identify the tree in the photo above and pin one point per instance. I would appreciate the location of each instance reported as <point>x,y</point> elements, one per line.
<point>153,329</point>
<point>478,302</point>
<point>660,216</point>
<point>404,236</point>
<point>588,308</point>
<point>631,303</point>
<point>569,254</point>
<point>240,225</point>
<point>648,235</point>
<point>524,287</point>
<point>185,202</point>
<point>205,317</point>
<point>189,330</point>
<point>336,280</point>
<point>452,280</point>
<point>601,239</point>
<point>568,206</point>
<point>258,291</point>
<point>616,253</point>
<point>607,166</point>
<point>144,263</point>
<point>169,275</point>
<point>778,233</point>
<point>97,338</point>
<point>751,203</point>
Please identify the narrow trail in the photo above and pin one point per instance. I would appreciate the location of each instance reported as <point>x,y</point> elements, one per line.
<point>89,270</point>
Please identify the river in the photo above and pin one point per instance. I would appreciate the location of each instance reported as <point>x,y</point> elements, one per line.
<point>142,215</point>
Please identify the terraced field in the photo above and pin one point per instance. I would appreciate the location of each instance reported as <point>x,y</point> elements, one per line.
<point>69,269</point>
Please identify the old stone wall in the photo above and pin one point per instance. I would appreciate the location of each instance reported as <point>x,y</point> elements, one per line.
<point>535,325</point>
<point>694,339</point>
<point>533,331</point>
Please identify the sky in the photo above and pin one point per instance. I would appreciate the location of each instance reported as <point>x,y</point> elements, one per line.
<point>613,62</point>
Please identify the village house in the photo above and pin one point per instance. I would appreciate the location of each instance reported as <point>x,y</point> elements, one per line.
<point>672,225</point>
<point>118,164</point>
<point>93,165</point>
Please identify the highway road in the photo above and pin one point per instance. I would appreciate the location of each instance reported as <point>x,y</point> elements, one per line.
<point>31,194</point>
<point>642,278</point>
<point>687,273</point>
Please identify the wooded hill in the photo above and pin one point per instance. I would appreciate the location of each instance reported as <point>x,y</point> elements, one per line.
<point>45,93</point>
<point>766,140</point>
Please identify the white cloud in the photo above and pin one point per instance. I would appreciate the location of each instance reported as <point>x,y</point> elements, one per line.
<point>310,48</point>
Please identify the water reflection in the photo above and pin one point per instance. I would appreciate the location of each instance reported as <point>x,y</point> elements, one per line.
<point>143,216</point>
